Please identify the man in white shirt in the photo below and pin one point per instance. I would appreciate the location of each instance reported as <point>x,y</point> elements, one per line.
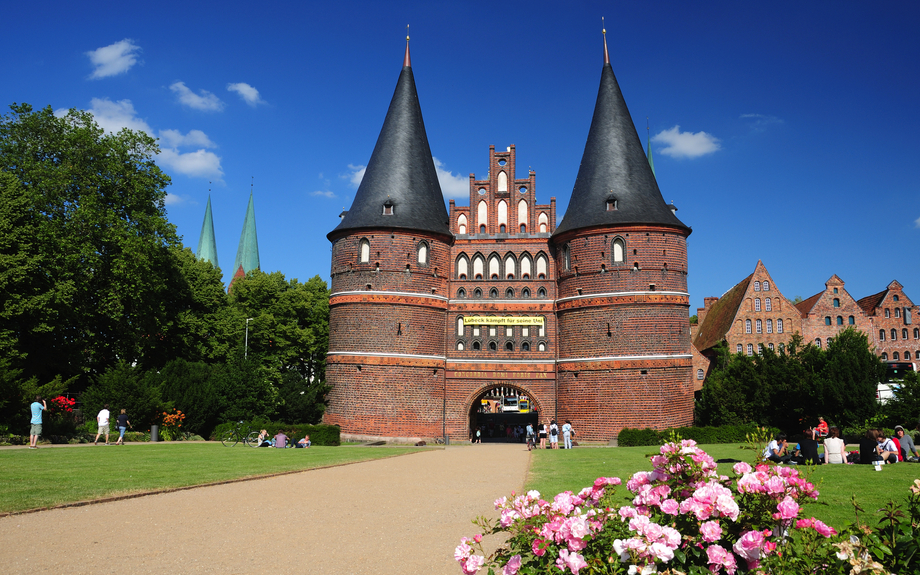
<point>886,449</point>
<point>776,450</point>
<point>103,421</point>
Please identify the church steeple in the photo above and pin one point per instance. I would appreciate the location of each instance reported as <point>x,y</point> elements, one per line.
<point>614,170</point>
<point>400,187</point>
<point>207,245</point>
<point>247,254</point>
<point>651,162</point>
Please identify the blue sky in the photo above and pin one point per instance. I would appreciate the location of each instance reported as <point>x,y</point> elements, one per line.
<point>786,132</point>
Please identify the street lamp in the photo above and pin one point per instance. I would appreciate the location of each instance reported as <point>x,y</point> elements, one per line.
<point>246,344</point>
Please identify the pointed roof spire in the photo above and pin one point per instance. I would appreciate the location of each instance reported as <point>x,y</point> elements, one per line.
<point>614,167</point>
<point>400,188</point>
<point>207,245</point>
<point>606,54</point>
<point>247,254</point>
<point>651,162</point>
<point>407,63</point>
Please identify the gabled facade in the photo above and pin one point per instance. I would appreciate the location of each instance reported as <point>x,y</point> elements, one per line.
<point>893,332</point>
<point>829,312</point>
<point>752,314</point>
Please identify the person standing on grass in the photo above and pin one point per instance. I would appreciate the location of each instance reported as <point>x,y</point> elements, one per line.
<point>553,435</point>
<point>102,419</point>
<point>36,422</point>
<point>567,433</point>
<point>123,424</point>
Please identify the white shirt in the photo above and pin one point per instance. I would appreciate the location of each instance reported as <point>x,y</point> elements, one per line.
<point>103,417</point>
<point>772,449</point>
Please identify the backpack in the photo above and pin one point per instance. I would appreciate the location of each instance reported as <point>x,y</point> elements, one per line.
<point>553,430</point>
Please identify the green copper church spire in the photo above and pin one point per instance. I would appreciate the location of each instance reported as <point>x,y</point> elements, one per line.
<point>207,245</point>
<point>247,255</point>
<point>651,162</point>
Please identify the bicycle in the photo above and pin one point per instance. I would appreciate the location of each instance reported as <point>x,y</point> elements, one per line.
<point>236,435</point>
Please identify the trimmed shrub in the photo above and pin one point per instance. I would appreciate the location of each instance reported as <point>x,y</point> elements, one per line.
<point>320,434</point>
<point>703,435</point>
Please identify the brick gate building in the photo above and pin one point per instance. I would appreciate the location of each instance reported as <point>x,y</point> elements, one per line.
<point>431,310</point>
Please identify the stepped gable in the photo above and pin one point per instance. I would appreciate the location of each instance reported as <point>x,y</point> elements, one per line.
<point>719,319</point>
<point>207,244</point>
<point>400,173</point>
<point>614,166</point>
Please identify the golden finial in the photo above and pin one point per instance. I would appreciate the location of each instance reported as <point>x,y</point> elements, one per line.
<point>406,61</point>
<point>407,32</point>
<point>604,32</point>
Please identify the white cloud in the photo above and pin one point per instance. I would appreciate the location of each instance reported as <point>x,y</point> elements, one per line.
<point>686,144</point>
<point>452,186</point>
<point>113,116</point>
<point>205,101</point>
<point>175,139</point>
<point>325,194</point>
<point>197,164</point>
<point>917,222</point>
<point>356,175</point>
<point>113,59</point>
<point>249,94</point>
<point>173,199</point>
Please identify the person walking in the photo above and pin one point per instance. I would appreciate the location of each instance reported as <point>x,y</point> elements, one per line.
<point>36,421</point>
<point>123,425</point>
<point>530,436</point>
<point>567,433</point>
<point>102,419</point>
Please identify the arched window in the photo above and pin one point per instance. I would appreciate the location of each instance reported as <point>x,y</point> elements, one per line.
<point>756,286</point>
<point>759,326</point>
<point>502,215</point>
<point>493,293</point>
<point>365,250</point>
<point>895,356</point>
<point>839,320</point>
<point>917,333</point>
<point>885,356</point>
<point>887,312</point>
<point>770,345</point>
<point>827,320</point>
<point>895,297</point>
<point>739,348</point>
<point>566,257</point>
<point>477,346</point>
<point>894,334</point>
<point>482,228</point>
<point>543,222</point>
<point>767,305</point>
<point>836,302</point>
<point>699,374</point>
<point>750,349</point>
<point>818,342</point>
<point>478,267</point>
<point>492,346</point>
<point>463,267</point>
<point>541,329</point>
<point>619,251</point>
<point>495,264</point>
<point>461,224</point>
<point>509,346</point>
<point>541,346</point>
<point>525,346</point>
<point>526,267</point>
<point>459,346</point>
<point>766,287</point>
<point>460,327</point>
<point>760,349</point>
<point>906,355</point>
<point>477,294</point>
<point>541,293</point>
<point>881,335</point>
<point>747,326</point>
<point>423,253</point>
<point>509,266</point>
<point>897,312</point>
<point>851,320</point>
<point>769,326</point>
<point>779,326</point>
<point>525,293</point>
<point>541,266</point>
<point>757,304</point>
<point>904,333</point>
<point>522,215</point>
<point>482,213</point>
<point>461,293</point>
<point>502,181</point>
<point>509,293</point>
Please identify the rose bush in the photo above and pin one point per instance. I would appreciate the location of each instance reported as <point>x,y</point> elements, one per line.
<point>683,517</point>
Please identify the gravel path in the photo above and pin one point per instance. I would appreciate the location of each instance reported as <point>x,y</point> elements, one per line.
<point>399,515</point>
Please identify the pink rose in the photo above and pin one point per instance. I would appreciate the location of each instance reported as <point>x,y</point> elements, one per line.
<point>473,564</point>
<point>720,557</point>
<point>711,531</point>
<point>670,506</point>
<point>823,529</point>
<point>538,547</point>
<point>741,468</point>
<point>511,568</point>
<point>786,509</point>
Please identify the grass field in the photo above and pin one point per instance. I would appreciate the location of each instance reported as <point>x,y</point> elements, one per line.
<point>51,476</point>
<point>556,471</point>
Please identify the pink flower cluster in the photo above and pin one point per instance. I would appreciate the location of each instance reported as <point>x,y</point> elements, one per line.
<point>469,562</point>
<point>774,482</point>
<point>652,542</point>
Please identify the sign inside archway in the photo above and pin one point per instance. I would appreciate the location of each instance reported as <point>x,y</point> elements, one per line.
<point>495,320</point>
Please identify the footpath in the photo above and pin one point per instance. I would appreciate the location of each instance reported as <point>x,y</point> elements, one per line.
<point>398,515</point>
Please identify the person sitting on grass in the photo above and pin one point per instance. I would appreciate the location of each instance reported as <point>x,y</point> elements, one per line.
<point>281,440</point>
<point>868,448</point>
<point>834,447</point>
<point>908,449</point>
<point>304,443</point>
<point>264,439</point>
<point>808,449</point>
<point>887,450</point>
<point>822,429</point>
<point>776,450</point>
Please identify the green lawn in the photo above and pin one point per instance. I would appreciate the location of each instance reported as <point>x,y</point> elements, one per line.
<point>555,471</point>
<point>52,476</point>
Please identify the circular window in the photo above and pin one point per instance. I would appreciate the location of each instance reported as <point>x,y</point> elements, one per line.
<point>523,190</point>
<point>502,162</point>
<point>482,191</point>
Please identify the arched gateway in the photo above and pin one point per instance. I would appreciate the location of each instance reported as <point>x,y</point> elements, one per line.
<point>501,414</point>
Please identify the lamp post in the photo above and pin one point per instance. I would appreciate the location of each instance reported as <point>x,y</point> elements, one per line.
<point>246,344</point>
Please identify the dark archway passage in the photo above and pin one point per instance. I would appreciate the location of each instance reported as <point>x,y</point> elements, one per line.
<point>501,414</point>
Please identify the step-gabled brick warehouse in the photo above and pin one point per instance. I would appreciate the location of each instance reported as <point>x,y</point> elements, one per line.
<point>431,312</point>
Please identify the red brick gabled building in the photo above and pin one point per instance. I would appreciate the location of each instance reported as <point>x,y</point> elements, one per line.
<point>892,330</point>
<point>829,312</point>
<point>753,313</point>
<point>431,311</point>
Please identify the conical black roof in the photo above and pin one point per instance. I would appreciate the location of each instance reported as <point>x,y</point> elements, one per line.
<point>400,173</point>
<point>615,167</point>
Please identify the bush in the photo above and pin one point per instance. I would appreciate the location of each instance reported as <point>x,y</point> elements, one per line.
<point>702,435</point>
<point>320,434</point>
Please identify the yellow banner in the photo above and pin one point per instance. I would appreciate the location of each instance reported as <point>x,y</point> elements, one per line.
<point>494,320</point>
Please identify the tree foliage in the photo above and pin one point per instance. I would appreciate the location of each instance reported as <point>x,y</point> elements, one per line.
<point>792,387</point>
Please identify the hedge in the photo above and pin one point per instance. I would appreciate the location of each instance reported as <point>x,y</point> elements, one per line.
<point>704,435</point>
<point>320,434</point>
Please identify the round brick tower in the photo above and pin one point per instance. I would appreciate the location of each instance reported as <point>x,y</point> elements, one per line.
<point>622,305</point>
<point>388,303</point>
